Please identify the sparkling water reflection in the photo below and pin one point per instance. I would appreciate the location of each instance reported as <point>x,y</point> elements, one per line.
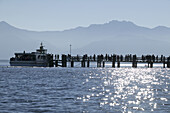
<point>84,89</point>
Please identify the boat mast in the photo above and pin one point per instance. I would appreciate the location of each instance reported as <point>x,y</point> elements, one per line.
<point>70,49</point>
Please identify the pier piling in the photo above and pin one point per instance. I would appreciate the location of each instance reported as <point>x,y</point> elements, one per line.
<point>56,63</point>
<point>118,64</point>
<point>168,62</point>
<point>113,64</point>
<point>113,61</point>
<point>164,64</point>
<point>134,61</point>
<point>64,60</point>
<point>72,63</point>
<point>88,63</point>
<point>103,63</point>
<point>83,63</point>
<point>151,64</point>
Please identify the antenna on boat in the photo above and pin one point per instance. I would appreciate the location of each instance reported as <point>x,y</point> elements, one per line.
<point>41,44</point>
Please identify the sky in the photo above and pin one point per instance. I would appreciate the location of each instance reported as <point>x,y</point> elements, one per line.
<point>58,15</point>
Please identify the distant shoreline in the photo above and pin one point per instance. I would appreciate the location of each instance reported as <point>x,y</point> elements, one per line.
<point>3,60</point>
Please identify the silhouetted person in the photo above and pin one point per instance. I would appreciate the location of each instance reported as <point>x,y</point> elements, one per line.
<point>157,58</point>
<point>121,57</point>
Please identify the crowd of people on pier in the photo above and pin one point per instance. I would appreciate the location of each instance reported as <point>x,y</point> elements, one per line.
<point>121,58</point>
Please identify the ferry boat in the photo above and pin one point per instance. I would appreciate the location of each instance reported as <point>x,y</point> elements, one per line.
<point>40,58</point>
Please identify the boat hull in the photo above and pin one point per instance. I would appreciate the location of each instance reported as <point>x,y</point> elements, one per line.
<point>28,63</point>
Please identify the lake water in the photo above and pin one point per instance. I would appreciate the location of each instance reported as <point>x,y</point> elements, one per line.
<point>93,90</point>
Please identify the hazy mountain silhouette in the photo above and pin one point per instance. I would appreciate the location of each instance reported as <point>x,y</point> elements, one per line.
<point>119,37</point>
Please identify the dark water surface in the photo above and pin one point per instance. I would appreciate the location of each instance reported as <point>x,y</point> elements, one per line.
<point>84,89</point>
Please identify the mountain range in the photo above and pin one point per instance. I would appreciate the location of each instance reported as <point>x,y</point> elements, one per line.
<point>114,37</point>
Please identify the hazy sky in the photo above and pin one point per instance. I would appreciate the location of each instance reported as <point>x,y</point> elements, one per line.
<point>65,14</point>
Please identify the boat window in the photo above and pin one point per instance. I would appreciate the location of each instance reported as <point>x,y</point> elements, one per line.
<point>43,57</point>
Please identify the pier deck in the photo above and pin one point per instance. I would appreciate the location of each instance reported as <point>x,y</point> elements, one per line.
<point>114,59</point>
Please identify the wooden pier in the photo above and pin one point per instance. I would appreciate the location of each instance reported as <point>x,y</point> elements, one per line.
<point>114,59</point>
